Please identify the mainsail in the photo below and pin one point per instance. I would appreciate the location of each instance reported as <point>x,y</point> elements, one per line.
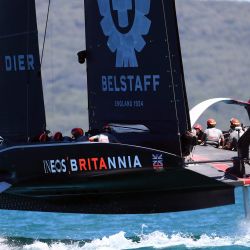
<point>22,108</point>
<point>134,69</point>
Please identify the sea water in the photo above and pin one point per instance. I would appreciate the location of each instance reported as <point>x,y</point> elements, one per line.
<point>215,228</point>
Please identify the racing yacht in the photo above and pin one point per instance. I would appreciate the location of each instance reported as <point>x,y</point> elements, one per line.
<point>136,85</point>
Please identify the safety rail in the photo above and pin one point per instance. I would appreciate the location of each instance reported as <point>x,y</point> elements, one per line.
<point>245,160</point>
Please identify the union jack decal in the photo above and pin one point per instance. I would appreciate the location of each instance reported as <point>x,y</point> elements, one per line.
<point>157,160</point>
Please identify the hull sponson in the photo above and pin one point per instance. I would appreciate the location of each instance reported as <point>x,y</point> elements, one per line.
<point>149,202</point>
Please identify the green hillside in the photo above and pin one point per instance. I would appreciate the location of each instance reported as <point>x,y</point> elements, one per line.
<point>215,42</point>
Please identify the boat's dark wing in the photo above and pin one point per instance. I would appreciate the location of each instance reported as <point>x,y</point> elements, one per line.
<point>134,70</point>
<point>21,103</point>
<point>242,103</point>
<point>238,102</point>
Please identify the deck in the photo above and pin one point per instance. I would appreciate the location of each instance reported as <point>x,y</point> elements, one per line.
<point>222,160</point>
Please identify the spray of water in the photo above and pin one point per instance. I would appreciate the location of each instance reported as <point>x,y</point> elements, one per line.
<point>153,240</point>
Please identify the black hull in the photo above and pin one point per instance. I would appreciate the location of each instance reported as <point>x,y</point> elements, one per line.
<point>142,186</point>
<point>136,203</point>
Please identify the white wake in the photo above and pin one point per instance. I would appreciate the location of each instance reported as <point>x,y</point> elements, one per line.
<point>154,240</point>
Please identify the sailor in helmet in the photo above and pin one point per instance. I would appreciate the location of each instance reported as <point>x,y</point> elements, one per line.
<point>198,132</point>
<point>78,135</point>
<point>212,135</point>
<point>234,133</point>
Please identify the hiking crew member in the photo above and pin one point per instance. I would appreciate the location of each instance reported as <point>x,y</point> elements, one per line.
<point>198,132</point>
<point>45,136</point>
<point>234,133</point>
<point>78,135</point>
<point>212,135</point>
<point>57,137</point>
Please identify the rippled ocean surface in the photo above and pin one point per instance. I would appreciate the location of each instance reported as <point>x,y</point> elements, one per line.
<point>214,228</point>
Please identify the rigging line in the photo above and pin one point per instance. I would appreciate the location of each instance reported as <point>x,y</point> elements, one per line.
<point>19,34</point>
<point>45,32</point>
<point>172,77</point>
<point>27,72</point>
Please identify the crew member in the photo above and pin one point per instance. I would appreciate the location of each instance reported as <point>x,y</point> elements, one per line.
<point>188,141</point>
<point>105,136</point>
<point>234,133</point>
<point>44,137</point>
<point>58,137</point>
<point>78,135</point>
<point>198,132</point>
<point>212,135</point>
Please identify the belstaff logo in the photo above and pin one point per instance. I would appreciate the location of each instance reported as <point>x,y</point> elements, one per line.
<point>125,44</point>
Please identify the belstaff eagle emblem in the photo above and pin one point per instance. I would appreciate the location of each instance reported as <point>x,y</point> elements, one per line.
<point>125,44</point>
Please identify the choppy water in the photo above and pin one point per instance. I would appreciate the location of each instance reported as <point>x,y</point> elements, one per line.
<point>216,228</point>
